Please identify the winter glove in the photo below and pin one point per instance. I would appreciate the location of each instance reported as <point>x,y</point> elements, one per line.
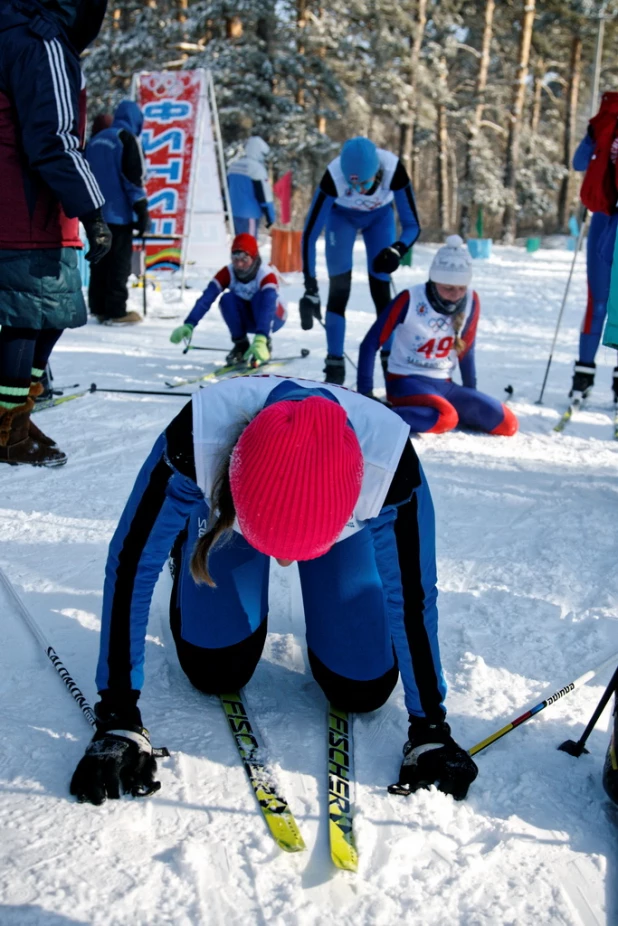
<point>118,759</point>
<point>309,305</point>
<point>389,258</point>
<point>143,218</point>
<point>98,234</point>
<point>431,756</point>
<point>258,352</point>
<point>182,333</point>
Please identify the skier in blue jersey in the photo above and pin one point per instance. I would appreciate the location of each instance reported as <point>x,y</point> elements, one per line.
<point>432,331</point>
<point>355,194</point>
<point>296,471</point>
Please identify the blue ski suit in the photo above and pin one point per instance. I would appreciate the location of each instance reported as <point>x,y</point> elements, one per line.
<point>370,602</point>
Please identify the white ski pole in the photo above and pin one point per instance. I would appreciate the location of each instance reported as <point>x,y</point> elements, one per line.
<point>49,650</point>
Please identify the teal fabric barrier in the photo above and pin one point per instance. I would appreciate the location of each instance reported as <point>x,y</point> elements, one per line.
<point>610,335</point>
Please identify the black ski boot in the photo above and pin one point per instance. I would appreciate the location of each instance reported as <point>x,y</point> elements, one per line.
<point>615,384</point>
<point>237,354</point>
<point>334,368</point>
<point>610,769</point>
<point>583,378</point>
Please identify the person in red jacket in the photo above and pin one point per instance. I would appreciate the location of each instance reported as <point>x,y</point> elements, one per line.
<point>47,188</point>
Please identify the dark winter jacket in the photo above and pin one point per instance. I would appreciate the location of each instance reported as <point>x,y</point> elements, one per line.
<point>46,183</point>
<point>116,159</point>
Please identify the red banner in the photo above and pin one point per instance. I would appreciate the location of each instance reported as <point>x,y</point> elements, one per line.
<point>170,102</point>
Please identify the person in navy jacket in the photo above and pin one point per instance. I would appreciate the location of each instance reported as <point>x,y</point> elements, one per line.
<point>356,193</point>
<point>432,330</point>
<point>258,467</point>
<point>116,158</point>
<point>46,189</point>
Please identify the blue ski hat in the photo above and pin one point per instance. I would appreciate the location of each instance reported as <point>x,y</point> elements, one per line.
<point>359,159</point>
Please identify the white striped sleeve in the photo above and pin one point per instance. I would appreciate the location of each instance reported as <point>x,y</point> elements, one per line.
<point>67,119</point>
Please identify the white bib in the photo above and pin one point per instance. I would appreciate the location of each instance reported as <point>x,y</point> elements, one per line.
<point>424,343</point>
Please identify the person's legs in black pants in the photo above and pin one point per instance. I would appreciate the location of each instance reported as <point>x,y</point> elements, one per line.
<point>118,270</point>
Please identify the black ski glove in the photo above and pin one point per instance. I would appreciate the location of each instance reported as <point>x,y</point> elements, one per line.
<point>431,756</point>
<point>119,759</point>
<point>98,233</point>
<point>309,305</point>
<point>389,258</point>
<point>140,208</point>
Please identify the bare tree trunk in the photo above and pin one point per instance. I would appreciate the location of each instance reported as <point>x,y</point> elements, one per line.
<point>537,99</point>
<point>515,120</point>
<point>475,125</point>
<point>406,128</point>
<point>565,197</point>
<point>442,147</point>
<point>301,22</point>
<point>454,188</point>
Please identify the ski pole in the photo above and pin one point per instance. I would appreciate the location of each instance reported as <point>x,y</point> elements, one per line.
<point>539,401</point>
<point>95,388</point>
<point>190,346</point>
<point>347,357</point>
<point>49,651</point>
<point>577,748</point>
<point>567,689</point>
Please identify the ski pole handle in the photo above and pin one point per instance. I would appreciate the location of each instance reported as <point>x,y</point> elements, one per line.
<point>567,689</point>
<point>49,651</point>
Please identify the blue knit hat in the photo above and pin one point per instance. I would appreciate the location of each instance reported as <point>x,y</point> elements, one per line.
<point>359,159</point>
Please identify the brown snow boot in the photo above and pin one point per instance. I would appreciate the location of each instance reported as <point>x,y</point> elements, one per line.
<point>36,389</point>
<point>17,447</point>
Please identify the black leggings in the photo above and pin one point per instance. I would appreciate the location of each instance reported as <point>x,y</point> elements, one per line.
<point>229,668</point>
<point>21,350</point>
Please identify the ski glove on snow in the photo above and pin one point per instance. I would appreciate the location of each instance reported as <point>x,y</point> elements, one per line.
<point>140,208</point>
<point>389,258</point>
<point>431,756</point>
<point>98,234</point>
<point>182,333</point>
<point>118,760</point>
<point>309,305</point>
<point>258,351</point>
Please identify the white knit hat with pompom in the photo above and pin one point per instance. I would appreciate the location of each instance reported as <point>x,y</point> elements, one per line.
<point>452,264</point>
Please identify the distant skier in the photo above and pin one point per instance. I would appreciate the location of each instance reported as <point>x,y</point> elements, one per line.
<point>356,194</point>
<point>301,472</point>
<point>433,329</point>
<point>251,305</point>
<point>250,193</point>
<point>601,140</point>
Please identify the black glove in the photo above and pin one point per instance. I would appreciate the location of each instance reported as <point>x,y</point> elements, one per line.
<point>140,208</point>
<point>309,305</point>
<point>389,258</point>
<point>119,758</point>
<point>431,756</point>
<point>98,233</point>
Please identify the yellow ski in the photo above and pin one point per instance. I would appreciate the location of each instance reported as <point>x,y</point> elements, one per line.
<point>340,787</point>
<point>274,807</point>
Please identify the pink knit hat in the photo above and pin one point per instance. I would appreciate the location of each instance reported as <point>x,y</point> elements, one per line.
<point>296,475</point>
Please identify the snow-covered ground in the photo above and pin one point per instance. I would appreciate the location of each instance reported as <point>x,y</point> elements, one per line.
<point>527,533</point>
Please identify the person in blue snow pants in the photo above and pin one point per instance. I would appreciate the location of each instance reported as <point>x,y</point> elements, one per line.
<point>356,193</point>
<point>432,331</point>
<point>326,478</point>
<point>599,258</point>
